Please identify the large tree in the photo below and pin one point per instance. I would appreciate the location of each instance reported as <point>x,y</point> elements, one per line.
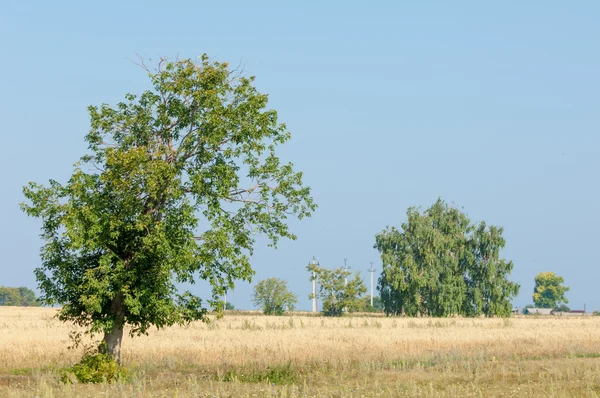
<point>549,291</point>
<point>273,297</point>
<point>176,185</point>
<point>440,264</point>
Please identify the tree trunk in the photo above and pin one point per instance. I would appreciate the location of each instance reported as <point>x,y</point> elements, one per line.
<point>111,343</point>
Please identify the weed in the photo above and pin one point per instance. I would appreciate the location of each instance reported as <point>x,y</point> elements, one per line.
<point>21,372</point>
<point>277,374</point>
<point>246,325</point>
<point>95,368</point>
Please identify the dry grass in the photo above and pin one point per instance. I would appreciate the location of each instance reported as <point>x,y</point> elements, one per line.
<point>241,356</point>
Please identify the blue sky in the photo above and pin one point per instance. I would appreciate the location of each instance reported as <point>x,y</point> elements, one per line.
<point>494,107</point>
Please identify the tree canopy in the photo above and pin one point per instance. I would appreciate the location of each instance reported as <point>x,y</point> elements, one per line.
<point>440,264</point>
<point>176,185</point>
<point>549,291</point>
<point>18,297</point>
<point>273,297</point>
<point>338,293</point>
<point>366,306</point>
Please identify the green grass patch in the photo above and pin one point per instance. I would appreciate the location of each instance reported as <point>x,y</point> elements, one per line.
<point>21,372</point>
<point>275,374</point>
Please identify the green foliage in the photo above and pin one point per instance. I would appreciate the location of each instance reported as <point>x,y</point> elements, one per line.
<point>229,306</point>
<point>336,295</point>
<point>175,187</point>
<point>365,304</point>
<point>273,296</point>
<point>440,264</point>
<point>377,304</point>
<point>562,308</point>
<point>276,374</point>
<point>95,368</point>
<point>549,291</point>
<point>9,296</point>
<point>18,296</point>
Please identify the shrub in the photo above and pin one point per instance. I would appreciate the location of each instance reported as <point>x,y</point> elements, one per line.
<point>95,368</point>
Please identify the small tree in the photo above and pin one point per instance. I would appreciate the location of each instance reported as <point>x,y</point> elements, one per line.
<point>338,293</point>
<point>176,185</point>
<point>549,291</point>
<point>273,296</point>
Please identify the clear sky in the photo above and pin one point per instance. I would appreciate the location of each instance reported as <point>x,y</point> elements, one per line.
<point>494,107</point>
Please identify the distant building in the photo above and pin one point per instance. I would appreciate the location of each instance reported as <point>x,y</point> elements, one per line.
<point>571,313</point>
<point>538,311</point>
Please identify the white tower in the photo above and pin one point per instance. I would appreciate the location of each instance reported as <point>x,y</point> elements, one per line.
<point>346,268</point>
<point>372,270</point>
<point>314,281</point>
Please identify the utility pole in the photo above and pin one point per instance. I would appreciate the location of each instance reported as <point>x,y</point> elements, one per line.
<point>314,281</point>
<point>345,268</point>
<point>372,270</point>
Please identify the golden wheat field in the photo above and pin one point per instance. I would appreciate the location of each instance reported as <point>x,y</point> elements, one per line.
<point>252,355</point>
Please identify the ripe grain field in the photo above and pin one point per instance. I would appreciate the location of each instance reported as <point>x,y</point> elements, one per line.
<point>305,356</point>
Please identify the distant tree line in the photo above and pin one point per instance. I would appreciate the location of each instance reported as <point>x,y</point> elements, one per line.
<point>18,297</point>
<point>437,264</point>
<point>337,294</point>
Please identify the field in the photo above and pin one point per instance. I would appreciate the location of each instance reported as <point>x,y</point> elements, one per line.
<point>251,355</point>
